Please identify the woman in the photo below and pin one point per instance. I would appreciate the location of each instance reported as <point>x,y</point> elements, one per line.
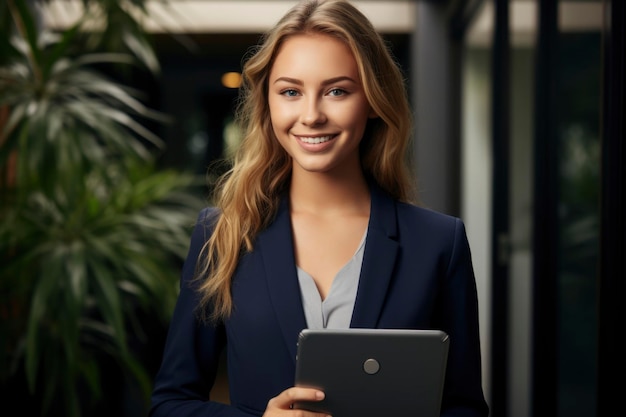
<point>314,227</point>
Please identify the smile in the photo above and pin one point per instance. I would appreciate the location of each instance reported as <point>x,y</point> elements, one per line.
<point>315,140</point>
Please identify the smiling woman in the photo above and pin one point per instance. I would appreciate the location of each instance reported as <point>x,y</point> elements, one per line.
<point>315,226</point>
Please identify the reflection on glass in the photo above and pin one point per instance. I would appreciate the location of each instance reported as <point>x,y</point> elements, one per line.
<point>577,123</point>
<point>578,127</point>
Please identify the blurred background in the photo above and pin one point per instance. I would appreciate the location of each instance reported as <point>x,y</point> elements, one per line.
<point>114,115</point>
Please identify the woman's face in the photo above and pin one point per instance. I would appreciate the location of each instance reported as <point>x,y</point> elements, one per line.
<point>317,104</point>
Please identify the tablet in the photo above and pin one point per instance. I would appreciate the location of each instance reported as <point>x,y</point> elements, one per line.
<point>373,372</point>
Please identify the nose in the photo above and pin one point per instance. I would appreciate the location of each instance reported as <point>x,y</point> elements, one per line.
<point>312,111</point>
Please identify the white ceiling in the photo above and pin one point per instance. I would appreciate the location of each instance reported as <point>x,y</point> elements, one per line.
<point>228,16</point>
<point>389,16</point>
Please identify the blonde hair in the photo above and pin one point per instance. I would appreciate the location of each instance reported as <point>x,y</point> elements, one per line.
<point>249,193</point>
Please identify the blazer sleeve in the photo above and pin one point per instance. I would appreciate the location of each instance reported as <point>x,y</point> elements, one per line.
<point>192,349</point>
<point>463,395</point>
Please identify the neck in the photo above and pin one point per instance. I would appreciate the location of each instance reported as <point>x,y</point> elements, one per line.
<point>328,194</point>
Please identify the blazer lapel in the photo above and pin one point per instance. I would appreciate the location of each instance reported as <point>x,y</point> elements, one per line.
<point>276,246</point>
<point>381,250</point>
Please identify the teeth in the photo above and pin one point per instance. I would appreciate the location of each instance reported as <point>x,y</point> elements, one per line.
<point>316,140</point>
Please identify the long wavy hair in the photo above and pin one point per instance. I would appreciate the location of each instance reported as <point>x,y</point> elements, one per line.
<point>249,193</point>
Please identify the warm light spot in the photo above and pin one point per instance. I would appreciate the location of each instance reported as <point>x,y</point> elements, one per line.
<point>231,80</point>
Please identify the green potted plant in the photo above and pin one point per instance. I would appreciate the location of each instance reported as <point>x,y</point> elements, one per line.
<point>92,233</point>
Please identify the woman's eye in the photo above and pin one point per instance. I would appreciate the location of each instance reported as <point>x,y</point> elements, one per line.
<point>337,92</point>
<point>289,93</point>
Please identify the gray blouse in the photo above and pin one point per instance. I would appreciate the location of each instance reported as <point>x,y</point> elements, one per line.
<point>336,310</point>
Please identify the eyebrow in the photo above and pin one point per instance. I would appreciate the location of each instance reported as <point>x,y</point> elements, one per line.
<point>325,82</point>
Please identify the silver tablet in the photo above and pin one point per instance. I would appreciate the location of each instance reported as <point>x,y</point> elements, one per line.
<point>373,372</point>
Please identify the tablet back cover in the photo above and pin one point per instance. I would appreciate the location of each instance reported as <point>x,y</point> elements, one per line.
<point>373,372</point>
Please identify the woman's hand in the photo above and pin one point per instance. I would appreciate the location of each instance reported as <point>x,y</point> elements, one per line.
<point>282,404</point>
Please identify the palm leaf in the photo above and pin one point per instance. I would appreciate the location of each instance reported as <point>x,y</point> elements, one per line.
<point>91,233</point>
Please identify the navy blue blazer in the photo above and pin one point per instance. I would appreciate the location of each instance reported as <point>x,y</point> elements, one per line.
<point>417,274</point>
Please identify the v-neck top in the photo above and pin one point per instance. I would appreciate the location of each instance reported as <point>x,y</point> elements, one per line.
<point>335,311</point>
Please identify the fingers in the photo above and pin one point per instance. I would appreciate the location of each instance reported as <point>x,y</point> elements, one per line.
<point>286,399</point>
